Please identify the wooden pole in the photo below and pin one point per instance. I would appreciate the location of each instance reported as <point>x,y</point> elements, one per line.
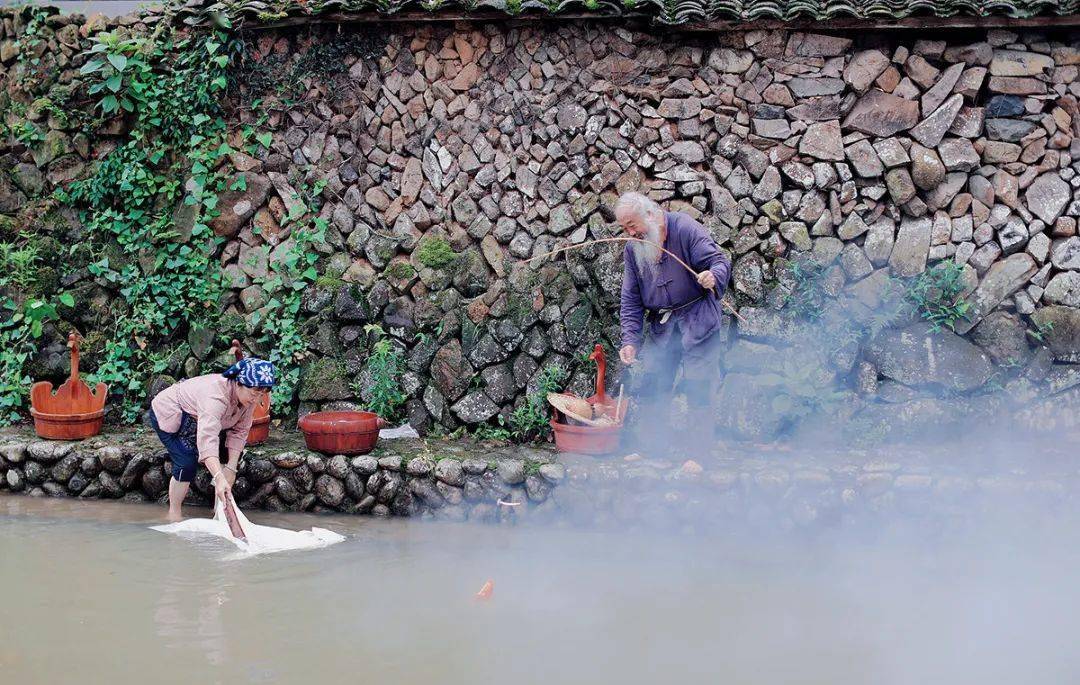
<point>628,239</point>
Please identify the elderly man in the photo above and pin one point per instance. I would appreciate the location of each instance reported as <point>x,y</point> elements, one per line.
<point>682,308</point>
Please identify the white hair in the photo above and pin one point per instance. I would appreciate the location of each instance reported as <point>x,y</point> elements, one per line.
<point>638,205</point>
<point>641,207</point>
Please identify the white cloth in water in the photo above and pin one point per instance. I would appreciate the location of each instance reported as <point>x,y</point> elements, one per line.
<point>260,539</point>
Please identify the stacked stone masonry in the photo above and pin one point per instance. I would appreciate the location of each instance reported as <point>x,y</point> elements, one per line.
<point>451,154</point>
<point>459,481</point>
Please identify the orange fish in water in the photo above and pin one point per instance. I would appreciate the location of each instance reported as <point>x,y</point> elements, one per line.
<point>485,592</point>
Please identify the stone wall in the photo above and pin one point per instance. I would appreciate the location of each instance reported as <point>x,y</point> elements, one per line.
<point>452,154</point>
<point>460,481</point>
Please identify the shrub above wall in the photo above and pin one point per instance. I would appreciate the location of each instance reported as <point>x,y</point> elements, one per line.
<point>422,164</point>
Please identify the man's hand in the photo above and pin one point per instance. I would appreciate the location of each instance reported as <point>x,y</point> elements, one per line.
<point>706,280</point>
<point>628,354</point>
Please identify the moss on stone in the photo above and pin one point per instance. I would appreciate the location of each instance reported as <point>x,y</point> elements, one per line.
<point>9,227</point>
<point>435,253</point>
<point>324,380</point>
<point>46,281</point>
<point>400,270</point>
<point>329,282</point>
<point>519,307</point>
<point>231,325</point>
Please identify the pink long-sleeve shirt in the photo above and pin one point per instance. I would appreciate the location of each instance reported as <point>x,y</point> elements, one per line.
<point>211,400</point>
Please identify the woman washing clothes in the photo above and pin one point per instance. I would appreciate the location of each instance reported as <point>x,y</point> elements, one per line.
<point>201,419</point>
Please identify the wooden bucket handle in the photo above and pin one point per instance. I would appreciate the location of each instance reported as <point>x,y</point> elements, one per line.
<point>237,350</point>
<point>73,345</point>
<point>601,371</point>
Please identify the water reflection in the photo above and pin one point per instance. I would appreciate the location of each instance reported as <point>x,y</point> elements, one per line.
<point>189,619</point>
<point>89,582</point>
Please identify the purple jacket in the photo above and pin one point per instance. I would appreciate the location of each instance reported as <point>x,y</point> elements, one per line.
<point>672,285</point>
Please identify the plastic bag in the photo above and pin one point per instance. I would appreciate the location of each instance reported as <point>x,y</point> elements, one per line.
<point>402,431</point>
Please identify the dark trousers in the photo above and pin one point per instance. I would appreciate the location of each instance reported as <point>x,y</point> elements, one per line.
<point>700,366</point>
<point>182,446</point>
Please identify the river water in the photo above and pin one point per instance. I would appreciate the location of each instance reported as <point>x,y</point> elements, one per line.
<point>89,594</point>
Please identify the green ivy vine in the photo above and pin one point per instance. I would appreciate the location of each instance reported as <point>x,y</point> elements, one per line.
<point>134,203</point>
<point>277,323</point>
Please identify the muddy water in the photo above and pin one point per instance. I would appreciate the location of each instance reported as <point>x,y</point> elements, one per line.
<point>88,594</point>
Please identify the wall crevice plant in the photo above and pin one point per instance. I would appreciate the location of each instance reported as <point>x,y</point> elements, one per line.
<point>380,383</point>
<point>937,295</point>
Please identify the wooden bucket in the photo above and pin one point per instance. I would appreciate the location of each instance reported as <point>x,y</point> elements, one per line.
<point>260,421</point>
<point>73,412</point>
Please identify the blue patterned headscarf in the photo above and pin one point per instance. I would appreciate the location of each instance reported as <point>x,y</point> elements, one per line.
<point>252,373</point>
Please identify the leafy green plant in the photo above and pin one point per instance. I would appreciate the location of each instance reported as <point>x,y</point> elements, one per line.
<point>279,319</point>
<point>20,327</point>
<point>532,467</point>
<point>1041,330</point>
<point>384,368</point>
<point>18,264</point>
<point>27,133</point>
<point>937,295</point>
<point>22,322</point>
<point>166,274</point>
<point>34,71</point>
<point>125,80</point>
<point>797,389</point>
<point>530,419</point>
<point>497,433</point>
<point>807,296</point>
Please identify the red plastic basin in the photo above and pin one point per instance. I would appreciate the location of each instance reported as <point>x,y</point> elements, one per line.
<point>341,432</point>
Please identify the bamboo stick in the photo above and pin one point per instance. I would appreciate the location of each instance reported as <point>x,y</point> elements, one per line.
<point>628,239</point>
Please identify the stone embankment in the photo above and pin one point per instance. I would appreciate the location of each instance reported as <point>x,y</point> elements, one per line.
<point>461,480</point>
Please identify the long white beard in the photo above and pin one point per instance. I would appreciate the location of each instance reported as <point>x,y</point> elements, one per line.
<point>648,256</point>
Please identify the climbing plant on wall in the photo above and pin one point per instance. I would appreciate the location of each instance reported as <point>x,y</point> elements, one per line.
<point>148,203</point>
<point>277,323</point>
<point>28,303</point>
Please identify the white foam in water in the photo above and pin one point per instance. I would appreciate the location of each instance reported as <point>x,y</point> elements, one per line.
<point>260,539</point>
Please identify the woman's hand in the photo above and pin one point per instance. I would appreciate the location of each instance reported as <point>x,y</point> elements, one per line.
<point>222,487</point>
<point>628,354</point>
<point>230,474</point>
<point>706,280</point>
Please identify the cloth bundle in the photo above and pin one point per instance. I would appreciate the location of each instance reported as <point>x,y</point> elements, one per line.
<point>260,539</point>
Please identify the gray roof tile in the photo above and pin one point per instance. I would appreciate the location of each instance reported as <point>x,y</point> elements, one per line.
<point>662,11</point>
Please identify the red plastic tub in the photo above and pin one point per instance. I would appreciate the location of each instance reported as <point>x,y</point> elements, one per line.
<point>341,432</point>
